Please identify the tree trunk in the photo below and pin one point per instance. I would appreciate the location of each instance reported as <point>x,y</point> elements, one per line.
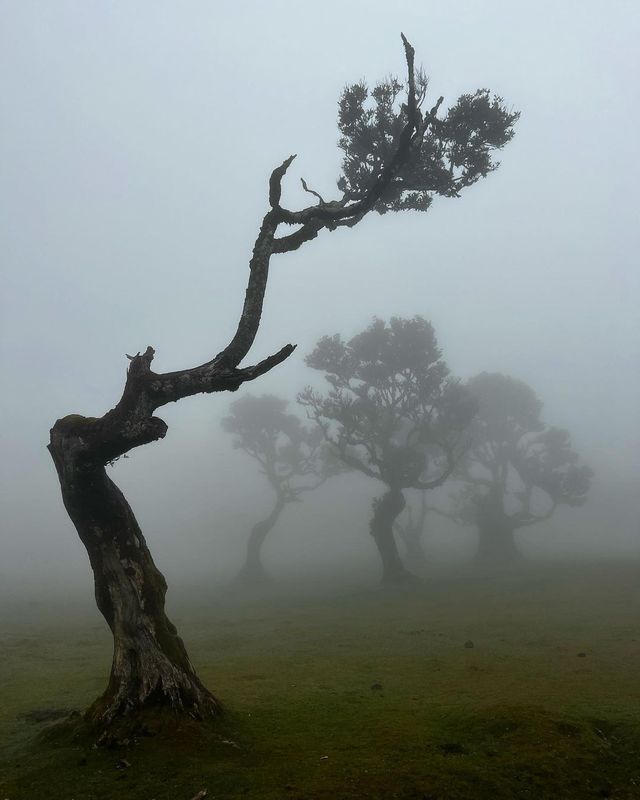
<point>150,666</point>
<point>496,541</point>
<point>253,571</point>
<point>385,511</point>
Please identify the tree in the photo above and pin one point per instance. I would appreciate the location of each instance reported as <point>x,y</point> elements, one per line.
<point>292,456</point>
<point>517,470</point>
<point>150,665</point>
<point>410,528</point>
<point>393,413</point>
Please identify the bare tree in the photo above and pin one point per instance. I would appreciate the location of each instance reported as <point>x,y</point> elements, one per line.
<point>393,414</point>
<point>293,457</point>
<point>150,665</point>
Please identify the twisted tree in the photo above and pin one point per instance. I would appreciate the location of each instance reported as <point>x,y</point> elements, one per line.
<point>293,457</point>
<point>150,665</point>
<point>393,413</point>
<point>517,471</point>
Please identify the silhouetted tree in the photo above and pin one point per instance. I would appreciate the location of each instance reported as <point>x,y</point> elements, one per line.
<point>292,456</point>
<point>150,665</point>
<point>411,526</point>
<point>392,413</point>
<point>517,470</point>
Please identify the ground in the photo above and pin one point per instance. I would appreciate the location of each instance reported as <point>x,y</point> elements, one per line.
<point>471,686</point>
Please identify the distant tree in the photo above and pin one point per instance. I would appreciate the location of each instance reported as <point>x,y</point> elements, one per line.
<point>411,526</point>
<point>400,166</point>
<point>517,471</point>
<point>393,413</point>
<point>293,457</point>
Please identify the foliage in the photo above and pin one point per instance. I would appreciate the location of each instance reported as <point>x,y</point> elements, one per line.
<point>293,456</point>
<point>446,155</point>
<point>514,459</point>
<point>392,412</point>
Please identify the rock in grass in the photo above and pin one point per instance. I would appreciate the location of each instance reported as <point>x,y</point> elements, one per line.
<point>469,644</point>
<point>453,749</point>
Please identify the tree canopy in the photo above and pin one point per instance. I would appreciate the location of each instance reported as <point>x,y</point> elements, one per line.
<point>446,155</point>
<point>293,456</point>
<point>515,460</point>
<point>392,412</point>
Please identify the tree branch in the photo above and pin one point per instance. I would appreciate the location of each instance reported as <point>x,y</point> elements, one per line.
<point>130,423</point>
<point>524,521</point>
<point>311,191</point>
<point>333,212</point>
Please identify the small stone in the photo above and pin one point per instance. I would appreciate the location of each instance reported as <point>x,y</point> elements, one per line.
<point>469,644</point>
<point>454,748</point>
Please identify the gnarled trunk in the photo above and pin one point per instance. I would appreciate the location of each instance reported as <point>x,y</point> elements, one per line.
<point>150,665</point>
<point>253,570</point>
<point>385,511</point>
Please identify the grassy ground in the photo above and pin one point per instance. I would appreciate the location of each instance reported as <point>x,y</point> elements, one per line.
<point>545,705</point>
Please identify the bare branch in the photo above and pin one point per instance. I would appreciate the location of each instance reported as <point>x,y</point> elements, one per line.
<point>311,191</point>
<point>275,182</point>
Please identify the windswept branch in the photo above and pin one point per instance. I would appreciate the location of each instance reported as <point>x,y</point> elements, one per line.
<point>337,211</point>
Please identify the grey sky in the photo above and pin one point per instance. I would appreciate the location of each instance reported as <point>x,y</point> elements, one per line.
<point>136,143</point>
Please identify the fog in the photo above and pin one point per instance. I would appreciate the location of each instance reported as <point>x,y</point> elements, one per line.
<point>136,146</point>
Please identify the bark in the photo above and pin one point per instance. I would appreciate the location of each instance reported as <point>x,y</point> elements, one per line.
<point>385,511</point>
<point>253,571</point>
<point>150,665</point>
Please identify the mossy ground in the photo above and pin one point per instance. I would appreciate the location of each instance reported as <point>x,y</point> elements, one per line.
<point>521,714</point>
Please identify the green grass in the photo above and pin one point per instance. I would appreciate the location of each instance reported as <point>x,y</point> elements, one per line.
<point>519,715</point>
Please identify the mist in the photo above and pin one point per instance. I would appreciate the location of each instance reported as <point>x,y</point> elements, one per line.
<point>136,154</point>
<point>136,149</point>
